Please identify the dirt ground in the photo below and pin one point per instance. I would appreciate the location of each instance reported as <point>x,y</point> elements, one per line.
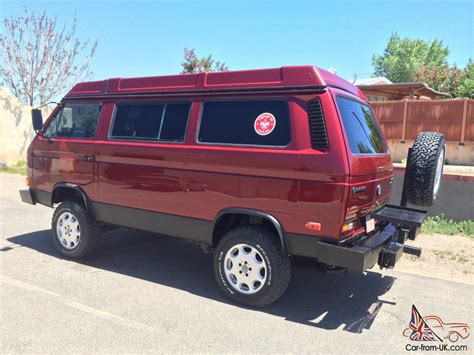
<point>443,256</point>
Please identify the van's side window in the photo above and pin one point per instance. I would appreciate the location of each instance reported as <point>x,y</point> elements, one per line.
<point>77,121</point>
<point>175,122</point>
<point>50,131</point>
<point>165,122</point>
<point>265,123</point>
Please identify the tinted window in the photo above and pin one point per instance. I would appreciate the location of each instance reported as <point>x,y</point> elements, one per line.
<point>176,120</point>
<point>361,128</point>
<point>138,121</point>
<point>77,120</point>
<point>235,122</point>
<point>151,121</point>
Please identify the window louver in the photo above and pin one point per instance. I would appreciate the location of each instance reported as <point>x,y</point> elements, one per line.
<point>319,137</point>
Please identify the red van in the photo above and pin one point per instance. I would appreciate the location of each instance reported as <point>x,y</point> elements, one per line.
<point>260,166</point>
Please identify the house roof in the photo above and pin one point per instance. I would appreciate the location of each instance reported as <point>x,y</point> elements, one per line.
<point>401,90</point>
<point>372,81</point>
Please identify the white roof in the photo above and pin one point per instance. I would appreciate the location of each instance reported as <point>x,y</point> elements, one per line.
<point>372,81</point>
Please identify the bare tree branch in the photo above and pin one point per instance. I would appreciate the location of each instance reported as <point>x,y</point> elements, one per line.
<point>40,60</point>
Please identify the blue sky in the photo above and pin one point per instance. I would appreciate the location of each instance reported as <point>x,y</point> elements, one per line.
<point>141,38</point>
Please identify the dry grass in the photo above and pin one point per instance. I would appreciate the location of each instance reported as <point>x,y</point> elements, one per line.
<point>18,168</point>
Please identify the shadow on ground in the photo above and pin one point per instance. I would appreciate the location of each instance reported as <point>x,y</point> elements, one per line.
<point>328,301</point>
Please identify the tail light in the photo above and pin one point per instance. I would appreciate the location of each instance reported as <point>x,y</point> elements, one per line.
<point>348,227</point>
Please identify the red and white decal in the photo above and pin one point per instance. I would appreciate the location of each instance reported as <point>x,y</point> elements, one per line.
<point>264,124</point>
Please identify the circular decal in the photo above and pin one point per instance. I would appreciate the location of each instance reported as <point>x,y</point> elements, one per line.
<point>264,124</point>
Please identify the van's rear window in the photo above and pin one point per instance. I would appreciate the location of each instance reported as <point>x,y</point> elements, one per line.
<point>361,128</point>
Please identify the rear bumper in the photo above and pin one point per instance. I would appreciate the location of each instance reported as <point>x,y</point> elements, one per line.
<point>28,196</point>
<point>364,256</point>
<point>383,248</point>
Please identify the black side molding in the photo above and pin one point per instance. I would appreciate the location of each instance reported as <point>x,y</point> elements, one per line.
<point>194,229</point>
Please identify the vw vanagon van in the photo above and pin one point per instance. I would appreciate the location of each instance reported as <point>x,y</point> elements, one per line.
<point>262,167</point>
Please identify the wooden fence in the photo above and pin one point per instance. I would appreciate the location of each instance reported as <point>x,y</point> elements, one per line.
<point>403,120</point>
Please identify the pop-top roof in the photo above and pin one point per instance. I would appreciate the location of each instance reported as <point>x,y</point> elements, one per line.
<point>295,77</point>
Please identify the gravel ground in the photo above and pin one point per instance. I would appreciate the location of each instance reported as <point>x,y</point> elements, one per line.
<point>449,257</point>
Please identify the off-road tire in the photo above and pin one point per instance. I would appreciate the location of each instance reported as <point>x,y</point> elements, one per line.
<point>278,265</point>
<point>89,228</point>
<point>421,170</point>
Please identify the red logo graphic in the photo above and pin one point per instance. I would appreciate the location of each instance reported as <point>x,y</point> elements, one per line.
<point>264,124</point>
<point>423,328</point>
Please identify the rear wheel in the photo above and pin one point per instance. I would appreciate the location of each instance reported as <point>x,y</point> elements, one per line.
<point>251,267</point>
<point>425,168</point>
<point>453,337</point>
<point>74,231</point>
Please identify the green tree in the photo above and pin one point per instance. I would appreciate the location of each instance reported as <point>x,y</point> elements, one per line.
<point>193,64</point>
<point>444,78</point>
<point>403,57</point>
<point>466,85</point>
<point>452,80</point>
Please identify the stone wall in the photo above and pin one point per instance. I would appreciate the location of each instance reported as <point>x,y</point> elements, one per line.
<point>16,131</point>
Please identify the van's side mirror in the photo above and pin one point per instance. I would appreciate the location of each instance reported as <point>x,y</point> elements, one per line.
<point>37,118</point>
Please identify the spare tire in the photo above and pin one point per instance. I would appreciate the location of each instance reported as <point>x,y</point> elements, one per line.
<point>425,168</point>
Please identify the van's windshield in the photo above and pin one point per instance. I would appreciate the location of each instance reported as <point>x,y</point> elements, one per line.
<point>361,128</point>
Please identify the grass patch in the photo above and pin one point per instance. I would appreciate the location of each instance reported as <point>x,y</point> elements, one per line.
<point>415,258</point>
<point>18,168</point>
<point>449,255</point>
<point>442,225</point>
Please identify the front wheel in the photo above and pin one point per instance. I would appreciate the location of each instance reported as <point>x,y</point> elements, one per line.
<point>251,267</point>
<point>74,230</point>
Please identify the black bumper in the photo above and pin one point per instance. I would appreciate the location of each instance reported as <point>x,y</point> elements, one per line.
<point>28,196</point>
<point>364,256</point>
<point>383,248</point>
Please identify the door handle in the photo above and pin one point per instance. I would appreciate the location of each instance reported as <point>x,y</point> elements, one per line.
<point>195,187</point>
<point>88,157</point>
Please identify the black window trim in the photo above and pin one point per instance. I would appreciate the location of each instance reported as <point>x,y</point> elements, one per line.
<point>360,155</point>
<point>64,104</point>
<point>198,129</point>
<point>151,140</point>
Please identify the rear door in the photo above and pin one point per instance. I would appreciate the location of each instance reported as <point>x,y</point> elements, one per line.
<point>369,160</point>
<point>69,153</point>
